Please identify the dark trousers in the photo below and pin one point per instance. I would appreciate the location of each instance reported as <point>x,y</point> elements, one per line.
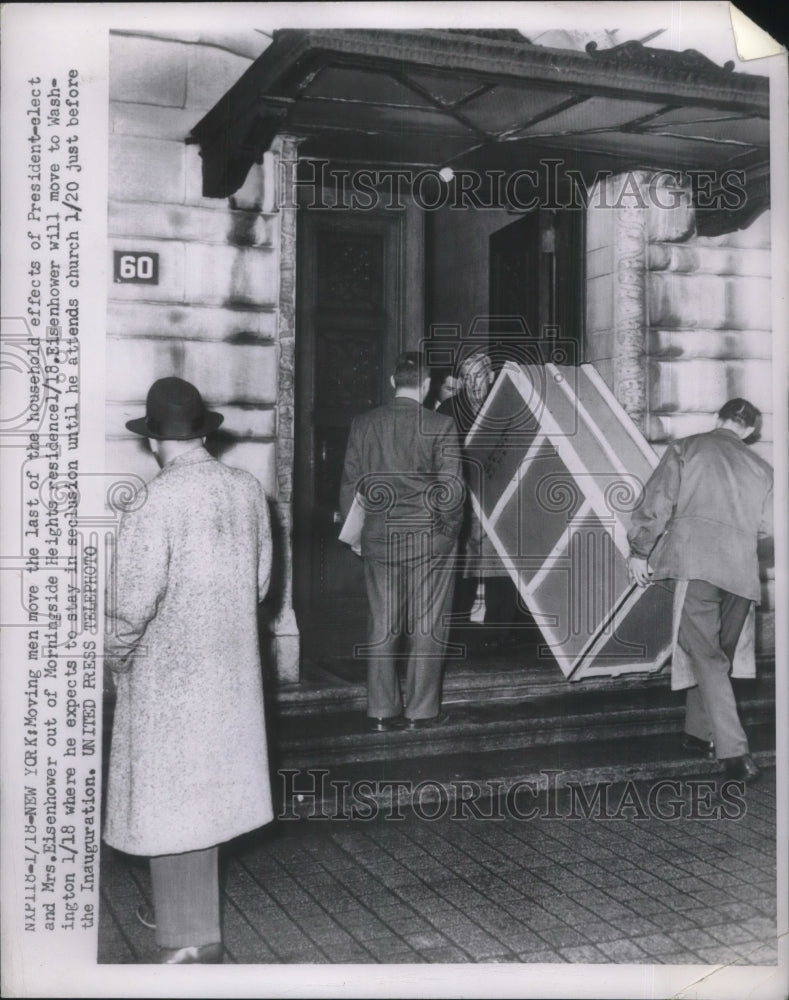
<point>410,605</point>
<point>710,626</point>
<point>186,898</point>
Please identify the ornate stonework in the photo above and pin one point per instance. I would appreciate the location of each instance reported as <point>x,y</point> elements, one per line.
<point>629,296</point>
<point>286,632</point>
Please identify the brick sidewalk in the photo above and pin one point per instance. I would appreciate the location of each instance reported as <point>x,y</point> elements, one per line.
<point>588,890</point>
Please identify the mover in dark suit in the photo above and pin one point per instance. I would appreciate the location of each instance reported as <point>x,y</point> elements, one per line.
<point>403,464</point>
<point>704,507</point>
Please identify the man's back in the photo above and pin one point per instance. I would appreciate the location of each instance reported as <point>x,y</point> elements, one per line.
<point>718,495</point>
<point>404,460</point>
<point>192,562</point>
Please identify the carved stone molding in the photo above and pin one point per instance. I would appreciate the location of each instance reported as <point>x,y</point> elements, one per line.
<point>286,633</point>
<point>689,64</point>
<point>629,296</point>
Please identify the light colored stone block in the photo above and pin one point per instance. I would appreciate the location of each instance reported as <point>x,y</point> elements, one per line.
<point>600,304</point>
<point>147,70</point>
<point>134,365</point>
<point>705,385</point>
<point>756,235</point>
<point>240,422</point>
<point>671,426</point>
<point>150,319</point>
<point>116,416</point>
<point>249,422</point>
<point>710,260</point>
<point>232,373</point>
<point>188,222</point>
<point>259,458</point>
<point>765,450</point>
<point>599,346</point>
<point>706,300</point>
<point>129,457</point>
<point>146,169</point>
<point>250,195</point>
<point>129,118</point>
<point>211,72</point>
<point>687,385</point>
<point>599,223</point>
<point>678,301</point>
<point>671,215</point>
<point>599,262</point>
<point>751,306</point>
<point>272,198</point>
<point>605,368</point>
<point>231,275</point>
<point>171,284</point>
<point>728,344</point>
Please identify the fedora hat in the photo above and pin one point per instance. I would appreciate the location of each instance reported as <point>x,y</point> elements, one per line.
<point>175,411</point>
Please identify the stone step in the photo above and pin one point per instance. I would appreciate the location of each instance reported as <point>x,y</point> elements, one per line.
<point>338,735</point>
<point>428,780</point>
<point>339,685</point>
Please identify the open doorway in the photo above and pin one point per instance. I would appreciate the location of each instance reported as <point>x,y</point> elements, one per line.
<point>537,274</point>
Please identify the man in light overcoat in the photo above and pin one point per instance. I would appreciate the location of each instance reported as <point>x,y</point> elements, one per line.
<point>704,508</point>
<point>188,766</point>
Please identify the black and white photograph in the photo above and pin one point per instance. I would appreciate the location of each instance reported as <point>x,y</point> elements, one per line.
<point>394,434</point>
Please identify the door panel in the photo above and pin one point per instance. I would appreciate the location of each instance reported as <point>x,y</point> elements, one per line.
<point>347,336</point>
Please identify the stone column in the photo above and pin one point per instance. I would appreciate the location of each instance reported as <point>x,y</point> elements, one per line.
<point>284,152</point>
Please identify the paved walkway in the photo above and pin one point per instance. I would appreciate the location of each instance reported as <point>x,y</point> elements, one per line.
<point>632,889</point>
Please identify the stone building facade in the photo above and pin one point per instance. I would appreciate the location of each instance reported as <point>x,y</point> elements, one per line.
<point>221,315</point>
<point>676,323</point>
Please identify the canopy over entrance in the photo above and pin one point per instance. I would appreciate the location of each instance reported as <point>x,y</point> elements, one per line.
<point>473,100</point>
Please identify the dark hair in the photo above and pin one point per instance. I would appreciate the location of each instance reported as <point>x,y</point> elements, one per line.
<point>739,411</point>
<point>410,370</point>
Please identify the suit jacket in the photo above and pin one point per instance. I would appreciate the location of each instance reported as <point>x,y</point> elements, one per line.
<point>704,507</point>
<point>404,462</point>
<point>188,764</point>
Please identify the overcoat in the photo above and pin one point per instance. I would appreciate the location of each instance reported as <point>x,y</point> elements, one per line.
<point>704,508</point>
<point>188,764</point>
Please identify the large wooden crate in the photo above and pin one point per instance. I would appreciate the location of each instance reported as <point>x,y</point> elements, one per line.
<point>559,468</point>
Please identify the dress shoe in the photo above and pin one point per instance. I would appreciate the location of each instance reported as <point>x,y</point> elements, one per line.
<point>695,745</point>
<point>146,915</point>
<point>434,720</point>
<point>207,954</point>
<point>377,725</point>
<point>742,768</point>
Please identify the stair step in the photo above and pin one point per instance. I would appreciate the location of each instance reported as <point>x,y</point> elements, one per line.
<point>341,685</point>
<point>331,791</point>
<point>338,736</point>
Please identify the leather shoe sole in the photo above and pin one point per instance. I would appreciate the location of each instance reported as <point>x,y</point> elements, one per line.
<point>206,954</point>
<point>376,725</point>
<point>435,720</point>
